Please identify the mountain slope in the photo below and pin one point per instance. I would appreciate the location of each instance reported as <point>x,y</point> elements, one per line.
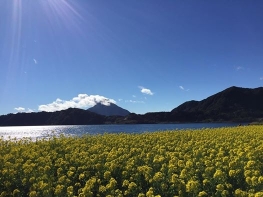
<point>231,104</point>
<point>109,110</point>
<point>70,116</point>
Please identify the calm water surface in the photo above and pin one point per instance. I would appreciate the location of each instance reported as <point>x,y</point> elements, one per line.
<point>38,132</point>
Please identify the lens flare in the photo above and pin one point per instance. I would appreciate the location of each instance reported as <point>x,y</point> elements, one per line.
<point>61,13</point>
<point>15,33</point>
<point>24,24</point>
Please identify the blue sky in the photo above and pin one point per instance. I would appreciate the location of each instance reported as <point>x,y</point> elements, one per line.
<point>145,56</point>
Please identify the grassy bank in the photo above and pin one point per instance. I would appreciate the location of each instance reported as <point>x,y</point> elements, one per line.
<point>256,123</point>
<point>205,162</point>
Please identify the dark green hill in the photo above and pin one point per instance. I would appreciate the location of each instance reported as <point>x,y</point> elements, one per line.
<point>65,117</point>
<point>232,104</point>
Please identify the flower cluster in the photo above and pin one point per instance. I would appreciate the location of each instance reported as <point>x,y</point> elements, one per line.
<point>205,162</point>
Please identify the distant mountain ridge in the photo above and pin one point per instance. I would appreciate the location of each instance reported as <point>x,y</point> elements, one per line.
<point>233,104</point>
<point>109,110</point>
<point>71,116</point>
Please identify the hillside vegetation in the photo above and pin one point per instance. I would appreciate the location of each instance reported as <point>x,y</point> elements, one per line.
<point>231,104</point>
<point>205,162</point>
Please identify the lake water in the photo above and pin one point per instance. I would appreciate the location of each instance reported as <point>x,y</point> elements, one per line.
<point>38,132</point>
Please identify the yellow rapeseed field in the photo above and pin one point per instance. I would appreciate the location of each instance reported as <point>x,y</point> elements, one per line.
<point>204,162</point>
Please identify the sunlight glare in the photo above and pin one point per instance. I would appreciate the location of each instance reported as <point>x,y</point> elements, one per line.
<point>61,13</point>
<point>23,29</point>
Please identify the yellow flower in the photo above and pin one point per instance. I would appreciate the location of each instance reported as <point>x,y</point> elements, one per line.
<point>193,186</point>
<point>70,173</point>
<point>81,176</point>
<point>59,189</point>
<point>16,192</point>
<point>202,194</point>
<point>33,194</point>
<point>107,175</point>
<point>70,190</point>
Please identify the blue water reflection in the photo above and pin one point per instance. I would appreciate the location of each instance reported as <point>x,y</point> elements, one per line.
<point>36,132</point>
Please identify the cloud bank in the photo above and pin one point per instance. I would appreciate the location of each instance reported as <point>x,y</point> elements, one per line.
<point>82,101</point>
<point>19,109</point>
<point>22,109</point>
<point>145,90</point>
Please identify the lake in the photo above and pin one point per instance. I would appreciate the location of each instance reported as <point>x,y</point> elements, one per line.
<point>38,132</point>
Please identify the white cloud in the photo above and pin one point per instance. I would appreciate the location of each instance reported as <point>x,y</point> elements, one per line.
<point>261,78</point>
<point>81,101</point>
<point>182,88</point>
<point>22,109</point>
<point>134,96</point>
<point>29,110</point>
<point>133,101</point>
<point>145,90</point>
<point>35,61</point>
<point>239,68</point>
<point>19,109</point>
